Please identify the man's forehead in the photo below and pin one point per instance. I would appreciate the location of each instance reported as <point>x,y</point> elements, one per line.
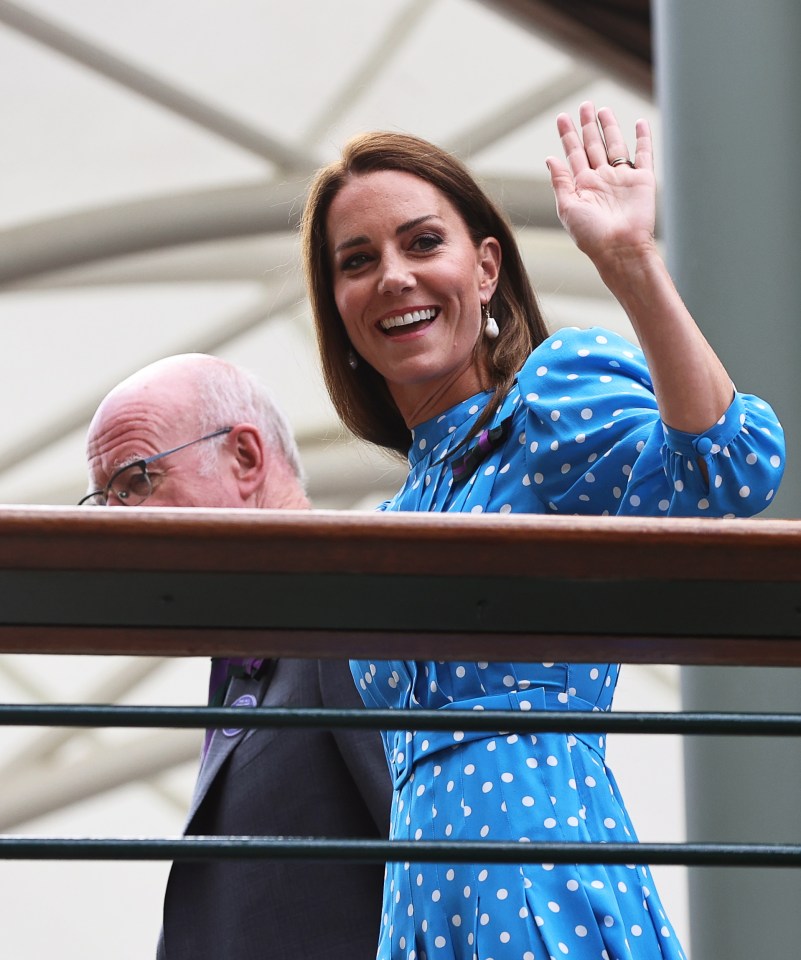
<point>125,431</point>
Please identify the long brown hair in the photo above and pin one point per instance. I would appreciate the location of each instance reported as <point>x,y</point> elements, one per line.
<point>361,396</point>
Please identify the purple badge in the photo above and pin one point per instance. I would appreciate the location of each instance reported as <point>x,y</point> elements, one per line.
<point>246,700</point>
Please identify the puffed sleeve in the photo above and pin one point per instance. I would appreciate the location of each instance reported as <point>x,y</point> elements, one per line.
<point>595,443</point>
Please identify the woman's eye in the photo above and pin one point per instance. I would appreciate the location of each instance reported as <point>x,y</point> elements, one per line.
<point>427,241</point>
<point>354,261</point>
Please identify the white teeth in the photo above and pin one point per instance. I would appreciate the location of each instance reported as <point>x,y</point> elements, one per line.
<point>403,320</point>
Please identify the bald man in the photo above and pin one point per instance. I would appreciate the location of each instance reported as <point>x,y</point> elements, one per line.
<point>195,431</point>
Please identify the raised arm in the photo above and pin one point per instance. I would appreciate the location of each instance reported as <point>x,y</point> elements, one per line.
<point>609,210</point>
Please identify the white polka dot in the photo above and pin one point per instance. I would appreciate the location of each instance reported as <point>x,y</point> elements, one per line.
<point>487,786</point>
<point>555,414</point>
<point>634,500</point>
<point>663,504</point>
<point>489,471</point>
<point>572,885</point>
<point>505,937</point>
<point>703,504</point>
<point>527,801</point>
<point>553,906</point>
<point>439,941</point>
<point>636,930</point>
<point>549,823</point>
<point>745,492</point>
<point>470,769</point>
<point>541,371</point>
<point>581,931</point>
<point>422,444</point>
<point>474,408</point>
<point>563,947</point>
<point>586,414</point>
<point>583,353</point>
<point>458,735</point>
<point>775,461</point>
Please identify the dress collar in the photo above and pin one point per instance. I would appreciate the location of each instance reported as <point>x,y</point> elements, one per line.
<point>427,437</point>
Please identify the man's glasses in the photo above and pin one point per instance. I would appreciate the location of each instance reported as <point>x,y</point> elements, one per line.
<point>132,484</point>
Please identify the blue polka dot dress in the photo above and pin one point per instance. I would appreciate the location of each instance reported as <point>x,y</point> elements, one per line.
<point>578,433</point>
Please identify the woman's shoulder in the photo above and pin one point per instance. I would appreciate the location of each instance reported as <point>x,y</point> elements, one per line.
<point>569,345</point>
<point>575,360</point>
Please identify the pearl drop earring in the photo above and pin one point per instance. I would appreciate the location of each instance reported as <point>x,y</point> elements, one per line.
<point>491,329</point>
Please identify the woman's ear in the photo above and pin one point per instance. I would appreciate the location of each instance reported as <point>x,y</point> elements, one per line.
<point>489,266</point>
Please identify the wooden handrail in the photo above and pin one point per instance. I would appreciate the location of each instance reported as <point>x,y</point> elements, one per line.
<point>280,583</point>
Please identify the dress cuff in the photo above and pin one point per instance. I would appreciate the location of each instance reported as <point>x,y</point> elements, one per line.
<point>713,440</point>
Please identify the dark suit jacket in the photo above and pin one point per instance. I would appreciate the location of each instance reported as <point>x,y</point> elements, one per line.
<point>283,782</point>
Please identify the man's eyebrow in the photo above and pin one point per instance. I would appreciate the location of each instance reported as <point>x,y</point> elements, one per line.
<point>402,228</point>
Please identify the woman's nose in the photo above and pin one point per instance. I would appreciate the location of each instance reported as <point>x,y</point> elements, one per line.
<point>396,275</point>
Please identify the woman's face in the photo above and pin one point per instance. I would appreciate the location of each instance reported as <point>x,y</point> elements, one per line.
<point>409,283</point>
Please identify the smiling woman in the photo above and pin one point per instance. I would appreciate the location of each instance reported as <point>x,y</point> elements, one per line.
<point>409,286</point>
<point>432,342</point>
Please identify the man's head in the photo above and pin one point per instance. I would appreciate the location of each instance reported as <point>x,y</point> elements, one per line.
<point>231,446</point>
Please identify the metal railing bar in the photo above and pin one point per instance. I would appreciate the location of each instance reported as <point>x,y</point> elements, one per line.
<point>497,721</point>
<point>380,851</point>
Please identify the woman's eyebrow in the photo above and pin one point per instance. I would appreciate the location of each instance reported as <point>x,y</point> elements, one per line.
<point>402,228</point>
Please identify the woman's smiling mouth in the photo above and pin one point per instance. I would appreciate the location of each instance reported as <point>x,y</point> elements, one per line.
<point>405,322</point>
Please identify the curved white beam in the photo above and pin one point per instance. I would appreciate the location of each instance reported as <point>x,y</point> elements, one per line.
<point>105,233</point>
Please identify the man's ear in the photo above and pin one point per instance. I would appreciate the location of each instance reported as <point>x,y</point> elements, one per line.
<point>246,446</point>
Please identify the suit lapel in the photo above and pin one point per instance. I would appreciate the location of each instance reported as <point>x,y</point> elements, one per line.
<point>242,692</point>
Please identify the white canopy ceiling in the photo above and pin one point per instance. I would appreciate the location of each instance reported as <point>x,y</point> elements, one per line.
<point>154,166</point>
